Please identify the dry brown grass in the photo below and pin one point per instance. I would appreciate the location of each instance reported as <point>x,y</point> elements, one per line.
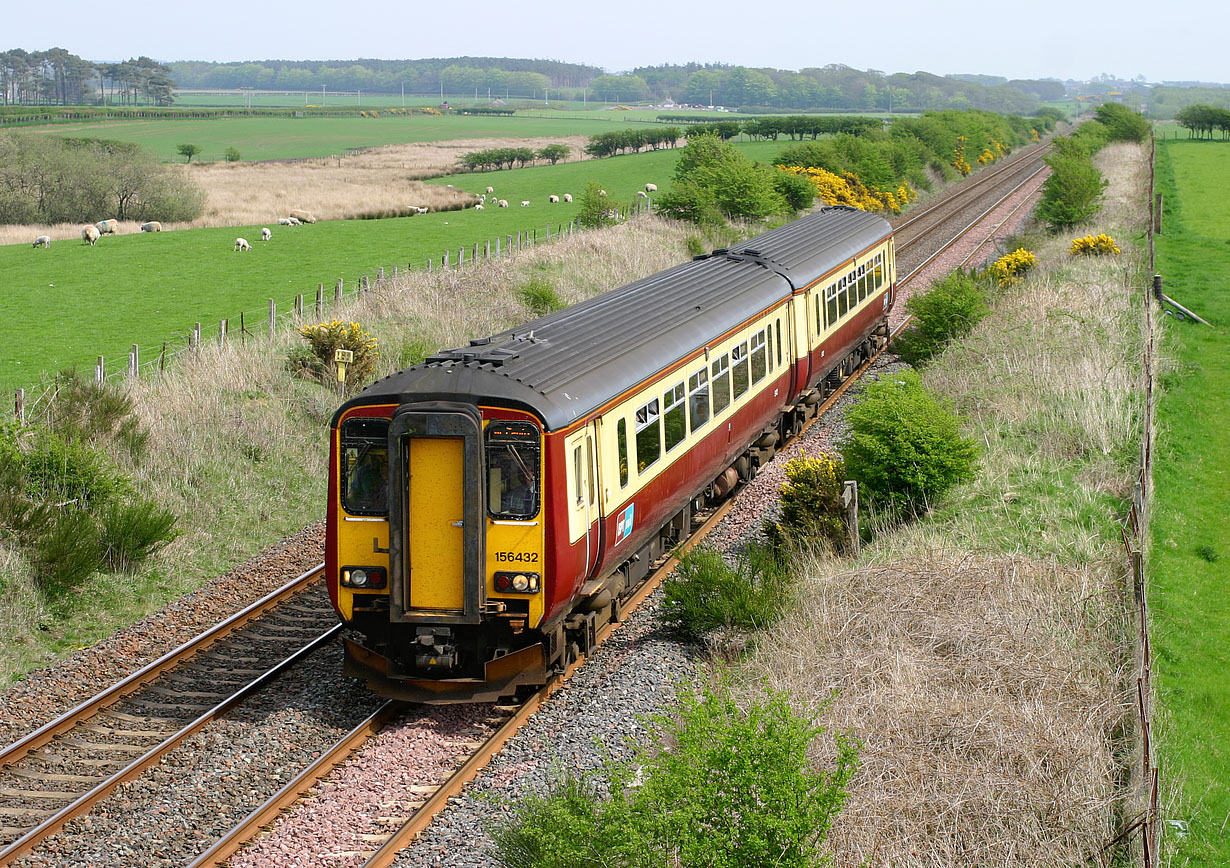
<point>980,688</point>
<point>383,181</point>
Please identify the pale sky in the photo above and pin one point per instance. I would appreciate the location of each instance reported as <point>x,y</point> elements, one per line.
<point>1173,41</point>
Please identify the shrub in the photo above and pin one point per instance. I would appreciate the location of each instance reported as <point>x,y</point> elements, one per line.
<point>811,508</point>
<point>1011,267</point>
<point>950,308</point>
<point>904,446</point>
<point>736,787</point>
<point>325,340</point>
<point>133,532</point>
<point>69,472</point>
<point>1094,245</point>
<point>232,155</point>
<point>706,592</point>
<point>1122,124</point>
<point>595,208</point>
<point>1073,192</point>
<point>540,297</point>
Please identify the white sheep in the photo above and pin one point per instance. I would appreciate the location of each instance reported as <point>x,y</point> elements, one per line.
<point>525,203</point>
<point>302,216</point>
<point>478,207</point>
<point>651,188</point>
<point>295,221</point>
<point>567,197</point>
<point>602,192</point>
<point>423,210</point>
<point>151,226</point>
<point>89,234</point>
<point>284,221</point>
<point>503,203</point>
<point>265,233</point>
<point>490,190</point>
<point>42,241</point>
<point>482,198</point>
<point>553,199</point>
<point>641,194</point>
<point>107,227</point>
<point>242,244</point>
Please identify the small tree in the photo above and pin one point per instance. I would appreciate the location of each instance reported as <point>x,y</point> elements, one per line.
<point>950,308</point>
<point>188,151</point>
<point>811,509</point>
<point>232,155</point>
<point>596,208</point>
<point>905,446</point>
<point>554,153</point>
<point>1072,193</point>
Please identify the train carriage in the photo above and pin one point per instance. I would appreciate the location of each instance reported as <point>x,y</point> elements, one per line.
<point>490,508</point>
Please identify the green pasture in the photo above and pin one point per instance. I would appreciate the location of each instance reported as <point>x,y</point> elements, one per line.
<point>1190,551</point>
<point>278,138</point>
<point>70,303</point>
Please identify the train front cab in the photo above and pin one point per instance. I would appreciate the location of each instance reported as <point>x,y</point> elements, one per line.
<point>442,573</point>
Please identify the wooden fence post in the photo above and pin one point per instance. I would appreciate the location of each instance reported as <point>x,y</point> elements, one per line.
<point>162,358</point>
<point>474,255</point>
<point>100,371</point>
<point>134,361</point>
<point>380,274</point>
<point>299,307</point>
<point>320,301</point>
<point>849,498</point>
<point>273,317</point>
<point>487,254</point>
<point>19,406</point>
<point>223,325</point>
<point>337,292</point>
<point>429,266</point>
<point>461,256</point>
<point>1157,214</point>
<point>196,338</point>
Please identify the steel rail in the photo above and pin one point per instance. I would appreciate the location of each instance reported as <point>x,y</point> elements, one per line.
<point>92,706</point>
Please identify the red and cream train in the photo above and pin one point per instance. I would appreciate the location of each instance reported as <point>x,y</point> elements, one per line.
<point>491,507</point>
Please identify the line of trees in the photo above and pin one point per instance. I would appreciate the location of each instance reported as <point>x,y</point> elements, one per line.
<point>508,158</point>
<point>622,141</point>
<point>1201,120</point>
<point>57,77</point>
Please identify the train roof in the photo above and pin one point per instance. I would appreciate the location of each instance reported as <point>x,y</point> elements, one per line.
<point>569,363</point>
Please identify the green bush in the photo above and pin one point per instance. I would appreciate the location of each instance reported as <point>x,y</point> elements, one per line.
<point>540,297</point>
<point>811,509</point>
<point>904,446</point>
<point>69,472</point>
<point>132,532</point>
<point>595,208</point>
<point>1122,124</point>
<point>232,155</point>
<point>706,592</point>
<point>1072,193</point>
<point>950,308</point>
<point>720,786</point>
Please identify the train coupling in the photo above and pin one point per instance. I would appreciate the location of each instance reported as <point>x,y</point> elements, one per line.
<point>436,648</point>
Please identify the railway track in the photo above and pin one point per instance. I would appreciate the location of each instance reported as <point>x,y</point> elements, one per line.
<point>67,766</point>
<point>61,770</point>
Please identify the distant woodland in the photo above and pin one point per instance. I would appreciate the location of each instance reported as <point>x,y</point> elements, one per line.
<point>56,77</point>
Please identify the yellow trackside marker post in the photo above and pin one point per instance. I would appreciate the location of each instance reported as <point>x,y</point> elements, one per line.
<point>342,358</point>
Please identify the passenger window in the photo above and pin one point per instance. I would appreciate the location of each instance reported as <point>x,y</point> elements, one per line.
<point>721,384</point>
<point>674,416</point>
<point>758,357</point>
<point>621,444</point>
<point>577,470</point>
<point>843,299</point>
<point>770,347</point>
<point>698,398</point>
<point>742,377</point>
<point>879,273</point>
<point>778,333</point>
<point>831,297</point>
<point>820,297</point>
<point>648,435</point>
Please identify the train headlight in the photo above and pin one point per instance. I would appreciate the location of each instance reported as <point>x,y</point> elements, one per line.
<point>517,583</point>
<point>364,577</point>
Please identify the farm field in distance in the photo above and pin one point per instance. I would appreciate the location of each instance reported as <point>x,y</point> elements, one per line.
<point>71,303</point>
<point>1189,551</point>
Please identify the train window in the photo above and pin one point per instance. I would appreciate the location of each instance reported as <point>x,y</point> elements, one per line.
<point>648,435</point>
<point>578,471</point>
<point>862,284</point>
<point>698,398</point>
<point>621,443</point>
<point>770,346</point>
<point>721,384</point>
<point>674,416</point>
<point>820,296</point>
<point>843,298</point>
<point>364,482</point>
<point>512,470</point>
<point>778,333</point>
<point>758,357</point>
<point>742,376</point>
<point>879,272</point>
<point>831,297</point>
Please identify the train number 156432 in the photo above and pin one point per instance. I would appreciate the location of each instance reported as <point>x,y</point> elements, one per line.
<point>517,557</point>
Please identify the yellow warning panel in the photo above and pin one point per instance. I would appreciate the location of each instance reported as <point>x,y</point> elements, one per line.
<point>436,542</point>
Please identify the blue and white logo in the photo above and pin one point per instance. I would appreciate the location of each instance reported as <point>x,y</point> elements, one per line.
<point>624,526</point>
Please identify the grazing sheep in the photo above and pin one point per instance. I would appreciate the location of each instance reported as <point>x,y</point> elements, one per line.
<point>482,198</point>
<point>42,241</point>
<point>294,221</point>
<point>242,244</point>
<point>284,221</point>
<point>525,203</point>
<point>490,189</point>
<point>302,216</point>
<point>641,194</point>
<point>651,188</point>
<point>266,234</point>
<point>553,199</point>
<point>107,227</point>
<point>602,192</point>
<point>90,234</point>
<point>503,203</point>
<point>151,226</point>
<point>423,210</point>
<point>478,207</point>
<point>567,197</point>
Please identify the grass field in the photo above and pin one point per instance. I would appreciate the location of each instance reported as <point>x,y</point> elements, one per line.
<point>70,303</point>
<point>276,138</point>
<point>1190,551</point>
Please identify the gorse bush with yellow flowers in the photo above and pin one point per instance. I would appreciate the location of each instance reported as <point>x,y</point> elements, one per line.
<point>848,189</point>
<point>317,360</point>
<point>1094,245</point>
<point>811,508</point>
<point>1012,267</point>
